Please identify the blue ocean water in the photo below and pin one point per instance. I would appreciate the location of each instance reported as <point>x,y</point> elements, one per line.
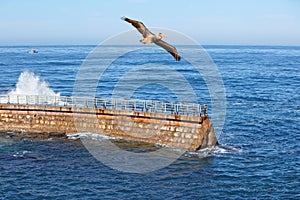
<point>259,152</point>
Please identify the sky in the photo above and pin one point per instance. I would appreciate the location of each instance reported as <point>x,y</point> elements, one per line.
<point>209,22</point>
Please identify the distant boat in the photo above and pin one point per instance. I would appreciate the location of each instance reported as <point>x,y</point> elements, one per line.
<point>33,51</point>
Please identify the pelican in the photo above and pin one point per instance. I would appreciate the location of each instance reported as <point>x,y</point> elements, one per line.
<point>150,37</point>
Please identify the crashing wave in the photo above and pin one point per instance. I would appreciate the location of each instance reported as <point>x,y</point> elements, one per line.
<point>31,84</point>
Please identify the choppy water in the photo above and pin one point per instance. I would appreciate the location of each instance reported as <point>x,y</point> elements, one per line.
<point>258,158</point>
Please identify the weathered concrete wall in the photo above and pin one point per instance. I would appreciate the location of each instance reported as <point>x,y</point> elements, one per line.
<point>184,132</point>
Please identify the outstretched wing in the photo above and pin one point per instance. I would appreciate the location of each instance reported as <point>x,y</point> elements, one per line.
<point>139,26</point>
<point>169,48</point>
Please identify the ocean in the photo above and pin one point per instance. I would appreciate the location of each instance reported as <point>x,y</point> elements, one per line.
<point>258,156</point>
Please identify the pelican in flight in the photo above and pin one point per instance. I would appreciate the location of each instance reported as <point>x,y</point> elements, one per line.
<point>150,37</point>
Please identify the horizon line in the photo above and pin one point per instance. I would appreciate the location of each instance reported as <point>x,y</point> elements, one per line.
<point>45,45</point>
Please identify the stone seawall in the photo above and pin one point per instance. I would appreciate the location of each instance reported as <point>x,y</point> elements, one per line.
<point>184,132</point>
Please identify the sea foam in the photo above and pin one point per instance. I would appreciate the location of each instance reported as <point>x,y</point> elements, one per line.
<point>31,84</point>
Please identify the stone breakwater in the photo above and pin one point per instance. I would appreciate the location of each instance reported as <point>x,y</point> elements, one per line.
<point>184,132</point>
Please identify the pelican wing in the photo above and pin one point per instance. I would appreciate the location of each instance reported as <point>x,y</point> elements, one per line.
<point>169,48</point>
<point>139,26</point>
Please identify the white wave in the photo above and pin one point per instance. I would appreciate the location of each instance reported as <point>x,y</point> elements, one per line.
<point>31,84</point>
<point>91,136</point>
<point>213,151</point>
<point>202,153</point>
<point>21,154</point>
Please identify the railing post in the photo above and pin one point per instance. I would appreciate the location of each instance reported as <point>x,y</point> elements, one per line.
<point>66,101</point>
<point>55,100</point>
<point>199,110</point>
<point>104,103</point>
<point>74,102</point>
<point>95,103</point>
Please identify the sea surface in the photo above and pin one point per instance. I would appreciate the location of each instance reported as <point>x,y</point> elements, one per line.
<point>259,152</point>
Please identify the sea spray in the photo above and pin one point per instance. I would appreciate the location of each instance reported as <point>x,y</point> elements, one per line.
<point>31,84</point>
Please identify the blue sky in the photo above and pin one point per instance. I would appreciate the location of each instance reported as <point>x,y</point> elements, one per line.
<point>256,22</point>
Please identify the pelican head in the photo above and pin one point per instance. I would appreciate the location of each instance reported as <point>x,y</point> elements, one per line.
<point>161,35</point>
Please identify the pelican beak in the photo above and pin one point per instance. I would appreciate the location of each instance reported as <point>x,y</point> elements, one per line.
<point>165,36</point>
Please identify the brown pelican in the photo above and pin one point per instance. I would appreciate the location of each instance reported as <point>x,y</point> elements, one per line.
<point>150,37</point>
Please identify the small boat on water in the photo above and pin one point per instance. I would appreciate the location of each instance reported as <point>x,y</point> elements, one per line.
<point>33,51</point>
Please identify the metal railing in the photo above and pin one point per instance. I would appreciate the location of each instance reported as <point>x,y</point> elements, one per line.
<point>187,109</point>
